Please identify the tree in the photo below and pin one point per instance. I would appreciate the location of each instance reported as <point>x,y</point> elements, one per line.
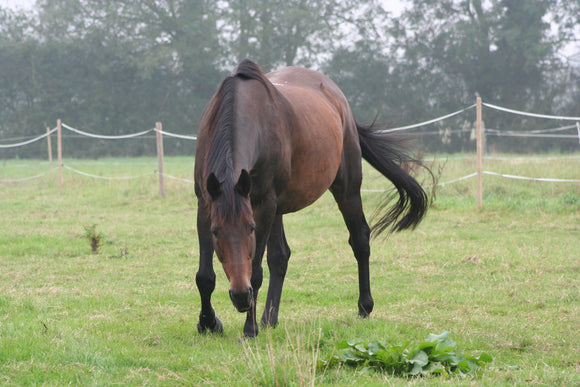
<point>114,66</point>
<point>19,78</point>
<point>110,67</point>
<point>503,51</point>
<point>172,45</point>
<point>295,32</point>
<point>364,75</point>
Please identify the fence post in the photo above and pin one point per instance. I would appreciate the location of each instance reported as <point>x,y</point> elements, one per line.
<point>59,152</point>
<point>49,145</point>
<point>479,128</point>
<point>159,130</point>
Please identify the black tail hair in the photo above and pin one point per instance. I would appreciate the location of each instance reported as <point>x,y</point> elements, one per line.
<point>390,155</point>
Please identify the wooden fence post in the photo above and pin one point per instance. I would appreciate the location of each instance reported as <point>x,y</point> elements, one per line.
<point>49,148</point>
<point>159,130</point>
<point>479,128</point>
<point>59,151</point>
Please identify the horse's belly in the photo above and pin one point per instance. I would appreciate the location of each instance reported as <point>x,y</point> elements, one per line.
<point>317,140</point>
<point>296,198</point>
<point>312,174</point>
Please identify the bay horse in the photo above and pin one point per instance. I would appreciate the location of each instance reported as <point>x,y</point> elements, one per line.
<point>271,144</point>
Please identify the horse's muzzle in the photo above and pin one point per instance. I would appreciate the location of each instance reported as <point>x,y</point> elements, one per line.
<point>243,301</point>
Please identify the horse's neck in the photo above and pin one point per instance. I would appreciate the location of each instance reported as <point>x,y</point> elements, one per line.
<point>246,148</point>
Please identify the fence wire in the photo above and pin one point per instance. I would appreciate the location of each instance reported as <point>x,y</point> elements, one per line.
<point>542,133</point>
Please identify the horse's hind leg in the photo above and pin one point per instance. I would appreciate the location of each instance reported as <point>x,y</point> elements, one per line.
<point>278,255</point>
<point>350,205</point>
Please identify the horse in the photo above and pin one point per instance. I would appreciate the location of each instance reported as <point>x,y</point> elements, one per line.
<point>272,144</point>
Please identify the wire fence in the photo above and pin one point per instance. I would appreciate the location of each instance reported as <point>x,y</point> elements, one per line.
<point>574,128</point>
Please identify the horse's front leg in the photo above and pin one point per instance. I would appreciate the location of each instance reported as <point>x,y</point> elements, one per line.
<point>278,256</point>
<point>251,327</point>
<point>264,216</point>
<point>205,277</point>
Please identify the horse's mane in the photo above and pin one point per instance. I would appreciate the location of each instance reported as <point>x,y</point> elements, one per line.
<point>221,130</point>
<point>248,69</point>
<point>221,122</point>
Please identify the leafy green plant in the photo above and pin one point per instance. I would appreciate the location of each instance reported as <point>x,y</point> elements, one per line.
<point>437,355</point>
<point>94,237</point>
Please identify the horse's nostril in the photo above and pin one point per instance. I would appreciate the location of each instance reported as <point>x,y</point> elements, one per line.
<point>243,300</point>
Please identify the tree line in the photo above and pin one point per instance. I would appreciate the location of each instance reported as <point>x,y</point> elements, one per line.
<point>117,67</point>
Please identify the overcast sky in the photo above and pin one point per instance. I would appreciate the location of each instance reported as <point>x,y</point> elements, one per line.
<point>15,4</point>
<point>394,6</point>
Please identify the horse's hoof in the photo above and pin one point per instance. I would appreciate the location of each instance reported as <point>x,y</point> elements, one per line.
<point>217,327</point>
<point>250,333</point>
<point>365,307</point>
<point>363,313</point>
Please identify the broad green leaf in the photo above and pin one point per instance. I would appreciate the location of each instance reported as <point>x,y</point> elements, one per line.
<point>420,358</point>
<point>351,343</point>
<point>438,338</point>
<point>446,345</point>
<point>416,370</point>
<point>450,359</point>
<point>428,346</point>
<point>375,347</point>
<point>349,355</point>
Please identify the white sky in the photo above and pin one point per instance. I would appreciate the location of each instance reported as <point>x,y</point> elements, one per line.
<point>16,4</point>
<point>394,6</point>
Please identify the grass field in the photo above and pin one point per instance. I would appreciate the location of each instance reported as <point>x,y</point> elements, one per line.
<point>504,280</point>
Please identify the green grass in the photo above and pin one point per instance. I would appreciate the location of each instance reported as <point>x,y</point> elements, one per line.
<point>504,280</point>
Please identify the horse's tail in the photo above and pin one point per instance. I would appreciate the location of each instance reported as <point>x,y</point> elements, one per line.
<point>389,155</point>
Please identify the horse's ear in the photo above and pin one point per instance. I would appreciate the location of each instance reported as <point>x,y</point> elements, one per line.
<point>244,184</point>
<point>213,185</point>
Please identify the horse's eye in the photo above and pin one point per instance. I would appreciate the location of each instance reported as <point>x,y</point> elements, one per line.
<point>252,228</point>
<point>214,231</point>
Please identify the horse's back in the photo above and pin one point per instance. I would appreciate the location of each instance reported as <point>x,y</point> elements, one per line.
<point>305,79</point>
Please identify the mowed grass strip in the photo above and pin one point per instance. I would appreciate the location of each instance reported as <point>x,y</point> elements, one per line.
<point>504,280</point>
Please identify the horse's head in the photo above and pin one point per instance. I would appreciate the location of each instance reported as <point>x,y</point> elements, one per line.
<point>233,233</point>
